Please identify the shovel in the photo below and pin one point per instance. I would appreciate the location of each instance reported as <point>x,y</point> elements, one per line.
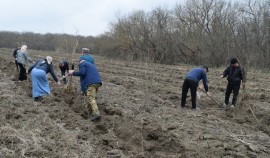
<point>63,77</point>
<point>212,98</point>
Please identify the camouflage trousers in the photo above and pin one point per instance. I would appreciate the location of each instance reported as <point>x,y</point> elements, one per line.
<point>91,99</point>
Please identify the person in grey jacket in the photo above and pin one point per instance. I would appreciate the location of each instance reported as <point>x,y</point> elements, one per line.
<point>22,57</point>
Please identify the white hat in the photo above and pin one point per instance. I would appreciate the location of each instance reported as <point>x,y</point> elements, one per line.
<point>23,48</point>
<point>49,59</point>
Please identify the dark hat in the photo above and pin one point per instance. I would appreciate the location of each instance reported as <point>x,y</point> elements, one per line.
<point>61,63</point>
<point>206,67</point>
<point>82,58</point>
<point>234,61</point>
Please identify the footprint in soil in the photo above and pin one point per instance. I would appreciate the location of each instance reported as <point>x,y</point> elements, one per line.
<point>113,111</point>
<point>101,129</point>
<point>12,116</point>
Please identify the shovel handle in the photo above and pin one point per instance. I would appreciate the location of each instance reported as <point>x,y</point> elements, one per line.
<point>212,98</point>
<point>63,77</point>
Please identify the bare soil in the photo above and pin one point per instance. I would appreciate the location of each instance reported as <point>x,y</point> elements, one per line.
<point>141,116</point>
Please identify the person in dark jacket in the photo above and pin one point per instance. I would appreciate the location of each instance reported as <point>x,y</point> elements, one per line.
<point>191,82</point>
<point>235,75</point>
<point>90,82</point>
<point>40,84</point>
<point>15,57</point>
<point>64,67</point>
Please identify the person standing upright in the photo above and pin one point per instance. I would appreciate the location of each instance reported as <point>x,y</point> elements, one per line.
<point>191,82</point>
<point>15,57</point>
<point>235,75</point>
<point>22,57</point>
<point>87,56</point>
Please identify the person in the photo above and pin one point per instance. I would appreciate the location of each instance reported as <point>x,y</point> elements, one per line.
<point>40,84</point>
<point>90,82</point>
<point>191,82</point>
<point>22,56</point>
<point>235,75</point>
<point>15,57</point>
<point>87,56</point>
<point>64,66</point>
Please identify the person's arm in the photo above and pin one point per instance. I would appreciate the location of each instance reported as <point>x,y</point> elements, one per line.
<point>225,73</point>
<point>51,70</point>
<point>243,75</point>
<point>205,84</point>
<point>62,73</point>
<point>31,68</point>
<point>28,57</point>
<point>72,66</point>
<point>67,66</point>
<point>81,71</point>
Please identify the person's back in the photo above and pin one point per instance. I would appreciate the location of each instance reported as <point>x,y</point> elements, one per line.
<point>22,55</point>
<point>196,74</point>
<point>91,73</point>
<point>42,64</point>
<point>89,58</point>
<point>234,74</point>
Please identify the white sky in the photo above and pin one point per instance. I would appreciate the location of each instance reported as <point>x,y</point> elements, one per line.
<point>89,17</point>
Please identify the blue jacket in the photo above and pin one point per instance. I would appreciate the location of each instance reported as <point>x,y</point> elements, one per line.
<point>42,65</point>
<point>89,58</point>
<point>88,75</point>
<point>196,75</point>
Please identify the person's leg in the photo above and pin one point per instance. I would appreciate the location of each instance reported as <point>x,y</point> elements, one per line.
<point>236,88</point>
<point>21,74</point>
<point>185,87</point>
<point>91,94</point>
<point>24,76</point>
<point>17,66</point>
<point>228,93</point>
<point>193,91</point>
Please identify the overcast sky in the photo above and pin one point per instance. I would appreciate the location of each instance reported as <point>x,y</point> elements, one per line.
<point>89,17</point>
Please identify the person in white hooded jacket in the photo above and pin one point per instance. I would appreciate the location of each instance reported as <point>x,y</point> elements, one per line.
<point>21,57</point>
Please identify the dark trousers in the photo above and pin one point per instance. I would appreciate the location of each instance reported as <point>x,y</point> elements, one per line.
<point>192,85</point>
<point>232,87</point>
<point>17,66</point>
<point>22,75</point>
<point>63,74</point>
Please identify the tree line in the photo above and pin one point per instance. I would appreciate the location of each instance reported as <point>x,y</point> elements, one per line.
<point>195,32</point>
<point>61,43</point>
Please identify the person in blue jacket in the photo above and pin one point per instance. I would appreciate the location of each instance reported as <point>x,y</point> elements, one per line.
<point>191,82</point>
<point>90,82</point>
<point>87,56</point>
